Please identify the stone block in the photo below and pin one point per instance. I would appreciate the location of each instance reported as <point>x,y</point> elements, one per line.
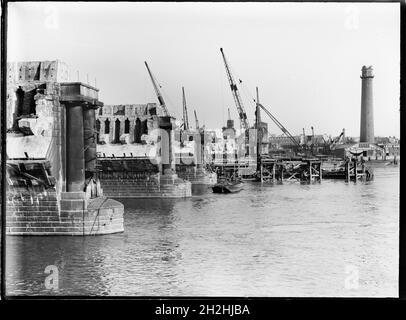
<point>73,195</point>
<point>72,214</point>
<point>73,205</point>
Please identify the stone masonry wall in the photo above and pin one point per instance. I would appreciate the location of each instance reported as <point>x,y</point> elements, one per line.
<point>39,212</point>
<point>134,188</point>
<point>90,217</point>
<point>122,113</point>
<point>47,105</point>
<point>31,211</point>
<point>196,175</point>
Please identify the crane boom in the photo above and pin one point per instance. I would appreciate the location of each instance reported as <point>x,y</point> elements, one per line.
<point>197,121</point>
<point>280,126</point>
<point>157,92</point>
<point>185,116</point>
<point>236,95</point>
<point>336,140</point>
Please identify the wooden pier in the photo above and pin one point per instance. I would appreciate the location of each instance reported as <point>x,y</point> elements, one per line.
<point>351,169</point>
<point>303,170</point>
<point>274,170</point>
<point>356,170</point>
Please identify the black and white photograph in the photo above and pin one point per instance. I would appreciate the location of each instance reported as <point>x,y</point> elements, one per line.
<point>201,149</point>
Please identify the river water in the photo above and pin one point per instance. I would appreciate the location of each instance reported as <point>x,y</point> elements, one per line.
<point>327,239</point>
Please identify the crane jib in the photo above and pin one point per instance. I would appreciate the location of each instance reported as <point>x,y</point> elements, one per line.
<point>237,99</point>
<point>157,92</point>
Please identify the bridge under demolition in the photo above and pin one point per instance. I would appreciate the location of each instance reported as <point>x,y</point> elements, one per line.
<point>68,153</point>
<point>140,156</point>
<point>52,187</point>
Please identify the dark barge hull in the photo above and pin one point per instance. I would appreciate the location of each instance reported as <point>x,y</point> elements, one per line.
<point>227,187</point>
<point>333,174</point>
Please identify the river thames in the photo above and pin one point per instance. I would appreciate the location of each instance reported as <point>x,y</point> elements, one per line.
<point>326,239</point>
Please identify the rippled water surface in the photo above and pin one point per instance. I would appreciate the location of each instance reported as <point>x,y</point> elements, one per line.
<point>281,240</point>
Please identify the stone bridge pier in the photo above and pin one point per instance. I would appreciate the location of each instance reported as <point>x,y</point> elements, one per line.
<point>80,102</point>
<point>51,182</point>
<point>167,165</point>
<point>81,199</point>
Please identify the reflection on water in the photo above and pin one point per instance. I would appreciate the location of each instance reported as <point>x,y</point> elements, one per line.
<point>281,240</point>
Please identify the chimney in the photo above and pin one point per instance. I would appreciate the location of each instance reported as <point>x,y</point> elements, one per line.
<point>367,107</point>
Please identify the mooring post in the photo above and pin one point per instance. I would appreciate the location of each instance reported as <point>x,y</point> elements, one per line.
<point>320,172</point>
<point>282,165</point>
<point>261,169</point>
<point>273,171</point>
<point>310,171</point>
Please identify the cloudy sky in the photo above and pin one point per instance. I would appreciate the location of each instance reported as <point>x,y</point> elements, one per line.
<point>306,59</point>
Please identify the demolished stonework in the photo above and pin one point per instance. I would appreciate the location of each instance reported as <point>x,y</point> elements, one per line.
<point>127,124</point>
<point>39,202</point>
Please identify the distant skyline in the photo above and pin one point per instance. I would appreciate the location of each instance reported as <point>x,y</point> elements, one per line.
<point>306,58</point>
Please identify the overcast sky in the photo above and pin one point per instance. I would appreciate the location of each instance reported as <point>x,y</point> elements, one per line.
<point>306,59</point>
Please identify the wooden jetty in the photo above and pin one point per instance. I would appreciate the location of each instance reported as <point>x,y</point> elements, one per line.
<point>356,170</point>
<point>274,170</point>
<point>301,169</point>
<point>353,169</point>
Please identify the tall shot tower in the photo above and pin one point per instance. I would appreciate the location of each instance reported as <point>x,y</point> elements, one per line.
<point>367,106</point>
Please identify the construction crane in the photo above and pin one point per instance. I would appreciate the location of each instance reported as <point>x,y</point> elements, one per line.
<point>259,131</point>
<point>280,126</point>
<point>196,120</point>
<point>336,140</point>
<point>157,92</point>
<point>236,95</point>
<point>185,116</point>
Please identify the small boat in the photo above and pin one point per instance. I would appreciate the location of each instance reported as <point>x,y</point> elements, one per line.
<point>228,187</point>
